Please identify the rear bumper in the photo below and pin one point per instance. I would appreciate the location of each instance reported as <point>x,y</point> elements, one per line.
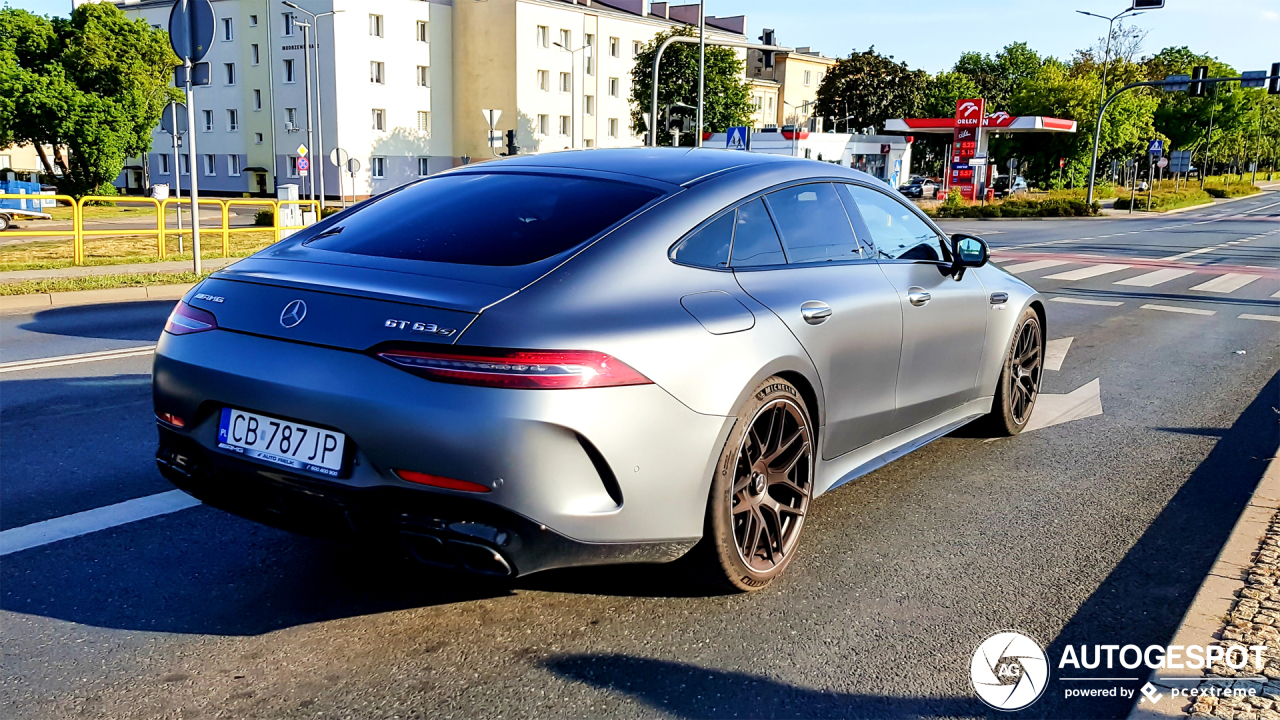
<point>625,466</point>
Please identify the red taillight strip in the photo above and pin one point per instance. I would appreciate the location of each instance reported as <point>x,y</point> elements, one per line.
<point>440,482</point>
<point>185,320</point>
<point>527,369</point>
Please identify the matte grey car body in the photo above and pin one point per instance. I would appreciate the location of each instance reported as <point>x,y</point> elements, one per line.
<point>888,354</point>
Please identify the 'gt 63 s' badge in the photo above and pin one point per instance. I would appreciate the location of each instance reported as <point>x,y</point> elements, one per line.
<point>419,327</point>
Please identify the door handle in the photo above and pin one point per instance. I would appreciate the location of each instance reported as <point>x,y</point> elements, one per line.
<point>917,296</point>
<point>815,313</point>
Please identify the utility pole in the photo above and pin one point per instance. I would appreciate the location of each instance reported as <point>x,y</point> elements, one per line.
<point>317,152</point>
<point>702,65</point>
<point>306,71</point>
<point>177,170</point>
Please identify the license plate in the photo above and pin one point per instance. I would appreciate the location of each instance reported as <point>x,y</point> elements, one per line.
<point>281,442</point>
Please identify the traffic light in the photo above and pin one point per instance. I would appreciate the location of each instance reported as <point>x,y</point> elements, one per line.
<point>1147,4</point>
<point>1273,85</point>
<point>768,37</point>
<point>1197,87</point>
<point>512,148</point>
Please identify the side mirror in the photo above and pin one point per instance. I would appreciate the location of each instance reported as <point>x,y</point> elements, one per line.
<point>968,251</point>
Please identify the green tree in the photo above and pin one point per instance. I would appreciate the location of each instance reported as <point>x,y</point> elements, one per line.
<point>727,100</point>
<point>871,88</point>
<point>92,85</point>
<point>1186,120</point>
<point>998,78</point>
<point>929,151</point>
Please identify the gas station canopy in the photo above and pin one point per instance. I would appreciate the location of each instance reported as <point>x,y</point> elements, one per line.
<point>1000,121</point>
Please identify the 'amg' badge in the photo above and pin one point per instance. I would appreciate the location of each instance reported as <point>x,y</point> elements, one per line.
<point>419,327</point>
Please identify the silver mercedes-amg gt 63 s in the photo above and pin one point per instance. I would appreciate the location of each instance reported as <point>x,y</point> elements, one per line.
<point>590,357</point>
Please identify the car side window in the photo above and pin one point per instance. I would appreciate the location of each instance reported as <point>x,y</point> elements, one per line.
<point>708,247</point>
<point>898,233</point>
<point>813,224</point>
<point>755,240</point>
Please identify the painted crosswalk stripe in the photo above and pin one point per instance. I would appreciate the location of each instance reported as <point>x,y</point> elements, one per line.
<point>1055,351</point>
<point>1276,295</point>
<point>1185,310</point>
<point>1087,272</point>
<point>1036,265</point>
<point>90,521</point>
<point>1152,279</point>
<point>1082,301</point>
<point>1229,282</point>
<point>1251,316</point>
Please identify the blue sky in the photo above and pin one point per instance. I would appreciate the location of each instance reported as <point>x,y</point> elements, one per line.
<point>931,34</point>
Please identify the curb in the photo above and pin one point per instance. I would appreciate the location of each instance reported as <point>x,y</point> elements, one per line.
<point>23,303</point>
<point>1213,601</point>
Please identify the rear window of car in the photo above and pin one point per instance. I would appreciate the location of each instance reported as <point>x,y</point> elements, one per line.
<point>495,219</point>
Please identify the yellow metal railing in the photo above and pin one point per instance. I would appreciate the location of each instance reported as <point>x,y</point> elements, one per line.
<point>161,231</point>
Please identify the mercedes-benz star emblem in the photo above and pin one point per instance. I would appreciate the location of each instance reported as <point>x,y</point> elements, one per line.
<point>293,313</point>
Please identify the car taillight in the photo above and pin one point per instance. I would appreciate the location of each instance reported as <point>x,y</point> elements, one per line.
<point>528,369</point>
<point>185,320</point>
<point>440,481</point>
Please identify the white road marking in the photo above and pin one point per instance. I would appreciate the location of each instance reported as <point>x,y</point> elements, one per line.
<point>1190,253</point>
<point>1188,311</point>
<point>1251,316</point>
<point>1229,282</point>
<point>1154,278</point>
<point>1036,265</point>
<point>38,363</point>
<point>1082,301</point>
<point>1085,401</point>
<point>1087,272</point>
<point>90,521</point>
<point>1277,295</point>
<point>1055,351</point>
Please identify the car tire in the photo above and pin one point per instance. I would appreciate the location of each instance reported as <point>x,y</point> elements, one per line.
<point>1020,378</point>
<point>4,223</point>
<point>760,493</point>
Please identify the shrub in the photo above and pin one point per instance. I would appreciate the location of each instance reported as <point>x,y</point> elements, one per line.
<point>1165,199</point>
<point>265,217</point>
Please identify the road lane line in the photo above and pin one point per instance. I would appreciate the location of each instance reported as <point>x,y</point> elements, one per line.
<point>1251,316</point>
<point>1082,301</point>
<point>1200,251</point>
<point>1229,282</point>
<point>37,363</point>
<point>1036,265</point>
<point>1188,311</point>
<point>1152,279</point>
<point>1055,351</point>
<point>1087,272</point>
<point>90,521</point>
<point>1276,295</point>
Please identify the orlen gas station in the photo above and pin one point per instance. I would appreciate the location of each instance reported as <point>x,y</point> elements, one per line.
<point>971,170</point>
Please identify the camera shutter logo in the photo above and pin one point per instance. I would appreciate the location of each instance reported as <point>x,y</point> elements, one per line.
<point>293,313</point>
<point>1009,671</point>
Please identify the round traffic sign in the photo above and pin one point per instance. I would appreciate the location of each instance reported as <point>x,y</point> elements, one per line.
<point>353,166</point>
<point>303,164</point>
<point>167,119</point>
<point>191,28</point>
<point>338,156</point>
<point>1162,162</point>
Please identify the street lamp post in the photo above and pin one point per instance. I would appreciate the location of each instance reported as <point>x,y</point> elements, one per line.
<point>1106,61</point>
<point>795,133</point>
<point>573,91</point>
<point>306,71</point>
<point>319,148</point>
<point>702,65</point>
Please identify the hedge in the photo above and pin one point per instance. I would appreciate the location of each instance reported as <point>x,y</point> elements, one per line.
<point>1165,200</point>
<point>1019,207</point>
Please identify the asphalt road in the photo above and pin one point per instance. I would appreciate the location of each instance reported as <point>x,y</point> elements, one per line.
<point>1096,531</point>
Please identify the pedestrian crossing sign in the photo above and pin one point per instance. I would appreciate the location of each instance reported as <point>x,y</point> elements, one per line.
<point>738,138</point>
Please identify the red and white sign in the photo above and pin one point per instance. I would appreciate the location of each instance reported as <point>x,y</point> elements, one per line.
<point>970,111</point>
<point>970,114</point>
<point>1062,162</point>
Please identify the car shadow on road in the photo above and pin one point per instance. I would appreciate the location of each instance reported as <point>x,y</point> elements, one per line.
<point>1144,598</point>
<point>140,320</point>
<point>689,691</point>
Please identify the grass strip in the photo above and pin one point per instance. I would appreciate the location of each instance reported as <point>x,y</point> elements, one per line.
<point>98,282</point>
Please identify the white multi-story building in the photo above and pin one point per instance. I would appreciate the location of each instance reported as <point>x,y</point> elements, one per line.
<point>400,86</point>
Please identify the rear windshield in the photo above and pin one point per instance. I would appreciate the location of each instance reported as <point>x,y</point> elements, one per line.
<point>484,219</point>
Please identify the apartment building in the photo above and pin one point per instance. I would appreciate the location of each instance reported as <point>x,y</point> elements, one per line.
<point>796,77</point>
<point>402,85</point>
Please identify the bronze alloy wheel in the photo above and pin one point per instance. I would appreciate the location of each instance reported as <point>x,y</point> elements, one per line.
<point>771,485</point>
<point>1025,370</point>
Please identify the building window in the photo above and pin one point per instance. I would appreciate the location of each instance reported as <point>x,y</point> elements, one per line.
<point>253,51</point>
<point>208,121</point>
<point>565,81</point>
<point>636,45</point>
<point>253,21</point>
<point>589,40</point>
<point>257,138</point>
<point>564,125</point>
<point>164,163</point>
<point>257,99</point>
<point>378,167</point>
<point>288,71</point>
<point>227,32</point>
<point>424,166</point>
<point>422,31</point>
<point>424,122</point>
<point>544,36</point>
<point>613,87</point>
<point>566,39</point>
<point>233,164</point>
<point>210,165</point>
<point>379,119</point>
<point>233,120</point>
<point>288,25</point>
<point>808,78</point>
<point>613,127</point>
<point>544,124</point>
<point>588,143</point>
<point>589,104</point>
<point>231,73</point>
<point>424,79</point>
<point>615,47</point>
<point>291,118</point>
<point>292,170</point>
<point>184,164</point>
<point>375,25</point>
<point>375,72</point>
<point>544,80</point>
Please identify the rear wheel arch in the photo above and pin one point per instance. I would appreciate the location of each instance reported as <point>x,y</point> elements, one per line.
<point>809,395</point>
